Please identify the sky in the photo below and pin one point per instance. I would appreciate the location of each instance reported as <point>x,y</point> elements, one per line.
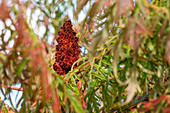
<point>15,96</point>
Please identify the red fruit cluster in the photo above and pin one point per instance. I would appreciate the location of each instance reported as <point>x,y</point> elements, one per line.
<point>67,50</point>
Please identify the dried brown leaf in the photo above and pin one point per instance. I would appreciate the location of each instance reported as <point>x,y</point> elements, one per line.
<point>4,10</point>
<point>80,5</point>
<point>132,88</point>
<point>123,6</point>
<point>142,28</point>
<point>167,53</point>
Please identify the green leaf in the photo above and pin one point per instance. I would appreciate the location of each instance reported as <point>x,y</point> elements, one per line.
<point>5,109</point>
<point>77,104</point>
<point>105,62</point>
<point>3,57</point>
<point>99,76</point>
<point>21,66</point>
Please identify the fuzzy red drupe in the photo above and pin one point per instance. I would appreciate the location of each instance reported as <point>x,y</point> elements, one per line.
<point>67,50</point>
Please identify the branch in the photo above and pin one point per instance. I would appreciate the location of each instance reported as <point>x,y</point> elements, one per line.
<point>13,88</point>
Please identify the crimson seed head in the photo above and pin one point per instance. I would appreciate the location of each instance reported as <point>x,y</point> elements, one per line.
<point>67,50</point>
